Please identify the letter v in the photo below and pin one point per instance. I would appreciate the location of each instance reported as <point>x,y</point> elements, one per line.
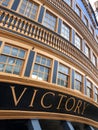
<point>16,101</point>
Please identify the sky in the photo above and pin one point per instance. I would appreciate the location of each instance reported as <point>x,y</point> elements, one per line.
<point>92,3</point>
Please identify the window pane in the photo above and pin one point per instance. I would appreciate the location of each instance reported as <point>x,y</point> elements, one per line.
<point>96,90</point>
<point>78,81</point>
<point>0,43</point>
<point>40,76</point>
<point>48,62</point>
<point>94,59</point>
<point>16,70</point>
<point>87,51</point>
<point>6,49</point>
<point>5,2</point>
<point>49,21</point>
<point>89,84</point>
<point>19,62</point>
<point>43,61</point>
<point>78,76</point>
<point>63,69</point>
<point>65,32</point>
<point>41,68</point>
<point>78,85</point>
<point>88,92</point>
<point>8,69</point>
<point>29,9</point>
<point>77,42</point>
<point>58,82</point>
<point>21,54</point>
<point>3,58</point>
<point>36,67</point>
<point>96,98</point>
<point>78,11</point>
<point>11,61</point>
<point>46,77</point>
<point>14,51</point>
<point>21,11</point>
<point>46,70</point>
<point>85,21</point>
<point>34,75</point>
<point>38,59</point>
<point>2,67</point>
<point>62,80</point>
<point>23,6</point>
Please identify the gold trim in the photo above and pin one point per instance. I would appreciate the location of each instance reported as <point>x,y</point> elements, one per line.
<point>42,84</point>
<point>6,114</point>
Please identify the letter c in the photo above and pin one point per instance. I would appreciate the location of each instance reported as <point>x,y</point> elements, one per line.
<point>43,97</point>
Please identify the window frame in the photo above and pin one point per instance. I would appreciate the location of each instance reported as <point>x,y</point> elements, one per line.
<point>9,4</point>
<point>92,30</point>
<point>77,36</point>
<point>81,82</point>
<point>79,9</point>
<point>67,75</point>
<point>88,56</point>
<point>90,88</point>
<point>53,15</point>
<point>9,56</point>
<point>49,67</point>
<point>96,94</point>
<point>85,21</point>
<point>94,60</point>
<point>68,27</point>
<point>34,3</point>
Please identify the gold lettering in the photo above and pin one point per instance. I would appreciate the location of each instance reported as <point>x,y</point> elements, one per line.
<point>84,107</point>
<point>73,104</point>
<point>43,97</point>
<point>78,106</point>
<point>16,101</point>
<point>60,101</point>
<point>33,97</point>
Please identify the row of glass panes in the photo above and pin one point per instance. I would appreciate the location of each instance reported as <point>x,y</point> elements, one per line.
<point>12,61</point>
<point>78,11</point>
<point>66,33</point>
<point>30,9</point>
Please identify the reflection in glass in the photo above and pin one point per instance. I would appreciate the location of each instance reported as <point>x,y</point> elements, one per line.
<point>11,61</point>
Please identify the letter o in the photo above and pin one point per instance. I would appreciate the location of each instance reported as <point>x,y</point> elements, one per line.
<point>73,104</point>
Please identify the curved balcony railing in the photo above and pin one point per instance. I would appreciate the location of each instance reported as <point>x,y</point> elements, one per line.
<point>16,23</point>
<point>75,20</point>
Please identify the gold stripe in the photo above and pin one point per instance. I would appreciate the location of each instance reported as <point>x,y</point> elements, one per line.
<point>6,114</point>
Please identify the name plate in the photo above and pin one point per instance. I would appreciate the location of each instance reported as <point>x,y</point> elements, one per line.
<point>30,98</point>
